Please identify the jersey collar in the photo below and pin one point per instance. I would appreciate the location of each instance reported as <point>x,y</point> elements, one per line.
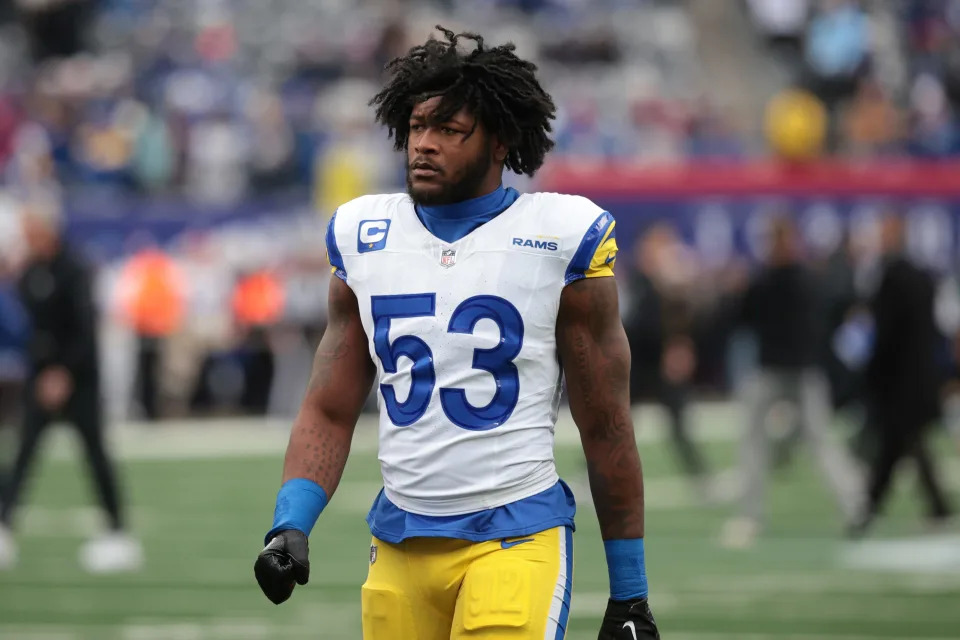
<point>493,202</point>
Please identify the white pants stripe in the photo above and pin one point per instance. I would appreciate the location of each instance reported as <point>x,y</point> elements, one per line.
<point>560,606</point>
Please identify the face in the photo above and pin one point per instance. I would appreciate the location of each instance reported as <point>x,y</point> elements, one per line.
<point>784,243</point>
<point>891,234</point>
<point>450,161</point>
<point>38,235</point>
<point>654,248</point>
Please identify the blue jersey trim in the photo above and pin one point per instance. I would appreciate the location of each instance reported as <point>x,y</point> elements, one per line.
<point>336,260</point>
<point>580,262</point>
<point>554,507</point>
<point>451,222</point>
<point>568,590</point>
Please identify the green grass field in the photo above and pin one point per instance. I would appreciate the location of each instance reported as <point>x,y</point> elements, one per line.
<point>202,497</point>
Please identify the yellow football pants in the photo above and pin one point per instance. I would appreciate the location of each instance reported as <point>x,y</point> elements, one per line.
<point>445,589</point>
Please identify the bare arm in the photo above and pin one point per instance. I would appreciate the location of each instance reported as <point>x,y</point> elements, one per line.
<point>341,379</point>
<point>596,361</point>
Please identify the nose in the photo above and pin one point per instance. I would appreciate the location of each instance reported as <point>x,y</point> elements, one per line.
<point>425,142</point>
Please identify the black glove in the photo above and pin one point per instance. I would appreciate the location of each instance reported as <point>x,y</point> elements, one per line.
<point>629,620</point>
<point>282,565</point>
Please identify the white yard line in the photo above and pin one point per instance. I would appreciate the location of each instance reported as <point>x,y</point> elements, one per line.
<point>245,437</point>
<point>76,522</point>
<point>840,582</point>
<point>929,554</point>
<point>246,629</point>
<point>37,632</point>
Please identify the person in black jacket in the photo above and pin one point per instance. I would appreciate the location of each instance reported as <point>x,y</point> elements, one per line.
<point>783,308</point>
<point>659,324</point>
<point>902,379</point>
<point>63,382</point>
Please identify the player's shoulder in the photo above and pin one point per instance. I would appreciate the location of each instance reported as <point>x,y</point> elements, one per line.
<point>584,231</point>
<point>577,207</point>
<point>384,205</point>
<point>368,216</point>
<point>567,216</point>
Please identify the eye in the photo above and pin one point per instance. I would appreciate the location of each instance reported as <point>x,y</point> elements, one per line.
<point>417,127</point>
<point>447,131</point>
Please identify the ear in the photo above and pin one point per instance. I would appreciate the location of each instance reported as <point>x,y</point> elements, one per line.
<point>500,150</point>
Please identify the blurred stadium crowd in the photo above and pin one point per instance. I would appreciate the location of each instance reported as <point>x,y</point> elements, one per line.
<point>216,101</point>
<point>888,73</point>
<point>194,150</point>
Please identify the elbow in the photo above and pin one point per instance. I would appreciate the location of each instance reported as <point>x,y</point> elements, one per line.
<point>611,426</point>
<point>331,415</point>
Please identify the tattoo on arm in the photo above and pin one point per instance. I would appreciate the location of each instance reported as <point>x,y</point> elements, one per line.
<point>596,362</point>
<point>339,384</point>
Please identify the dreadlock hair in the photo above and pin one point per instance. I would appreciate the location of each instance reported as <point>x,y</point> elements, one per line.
<point>496,86</point>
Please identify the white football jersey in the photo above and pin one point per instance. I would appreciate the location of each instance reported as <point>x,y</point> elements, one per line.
<point>463,337</point>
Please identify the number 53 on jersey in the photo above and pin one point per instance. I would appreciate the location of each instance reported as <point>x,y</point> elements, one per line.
<point>497,361</point>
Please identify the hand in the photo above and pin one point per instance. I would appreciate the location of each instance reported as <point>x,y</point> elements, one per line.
<point>630,620</point>
<point>54,387</point>
<point>282,565</point>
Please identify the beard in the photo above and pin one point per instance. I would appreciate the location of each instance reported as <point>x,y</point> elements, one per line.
<point>440,193</point>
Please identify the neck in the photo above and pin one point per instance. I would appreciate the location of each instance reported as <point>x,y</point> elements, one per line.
<point>478,205</point>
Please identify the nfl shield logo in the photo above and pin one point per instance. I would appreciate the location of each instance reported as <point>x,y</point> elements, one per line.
<point>373,553</point>
<point>448,257</point>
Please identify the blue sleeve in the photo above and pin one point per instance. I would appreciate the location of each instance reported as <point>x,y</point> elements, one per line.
<point>592,239</point>
<point>333,253</point>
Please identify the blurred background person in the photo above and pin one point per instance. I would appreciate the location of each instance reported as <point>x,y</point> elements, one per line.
<point>783,309</point>
<point>947,313</point>
<point>151,291</point>
<point>836,53</point>
<point>63,383</point>
<point>14,328</point>
<point>902,379</point>
<point>658,318</point>
<point>258,304</point>
<point>781,22</point>
<point>843,341</point>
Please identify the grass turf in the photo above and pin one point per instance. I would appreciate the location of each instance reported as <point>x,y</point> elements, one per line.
<point>201,517</point>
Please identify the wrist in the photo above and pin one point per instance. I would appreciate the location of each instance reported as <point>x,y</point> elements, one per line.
<point>627,568</point>
<point>299,504</point>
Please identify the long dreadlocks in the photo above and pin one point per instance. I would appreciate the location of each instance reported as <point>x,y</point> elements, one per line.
<point>496,86</point>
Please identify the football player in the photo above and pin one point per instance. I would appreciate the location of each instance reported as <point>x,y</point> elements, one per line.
<point>467,303</point>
